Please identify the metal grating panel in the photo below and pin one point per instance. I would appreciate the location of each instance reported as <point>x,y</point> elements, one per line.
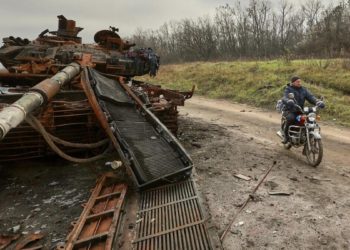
<point>170,218</point>
<point>151,151</point>
<point>154,155</point>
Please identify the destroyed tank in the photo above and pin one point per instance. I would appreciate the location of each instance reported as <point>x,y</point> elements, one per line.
<point>59,96</point>
<point>52,49</point>
<point>53,93</point>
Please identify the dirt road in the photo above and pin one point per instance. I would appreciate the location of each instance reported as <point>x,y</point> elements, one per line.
<point>225,139</point>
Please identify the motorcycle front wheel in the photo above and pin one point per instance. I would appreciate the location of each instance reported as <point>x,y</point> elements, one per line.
<point>314,154</point>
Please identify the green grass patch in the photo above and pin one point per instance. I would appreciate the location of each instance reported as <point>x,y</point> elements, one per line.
<point>262,83</point>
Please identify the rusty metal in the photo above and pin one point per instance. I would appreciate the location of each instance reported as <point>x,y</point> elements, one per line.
<point>52,49</point>
<point>163,102</point>
<point>6,240</point>
<point>72,120</point>
<point>27,240</point>
<point>13,76</point>
<point>96,227</point>
<point>29,62</point>
<point>170,217</point>
<point>97,109</point>
<point>153,152</point>
<point>12,115</point>
<point>111,40</point>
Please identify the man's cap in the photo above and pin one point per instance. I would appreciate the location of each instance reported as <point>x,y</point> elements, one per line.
<point>294,78</point>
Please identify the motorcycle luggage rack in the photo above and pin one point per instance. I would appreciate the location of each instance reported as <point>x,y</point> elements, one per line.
<point>295,133</point>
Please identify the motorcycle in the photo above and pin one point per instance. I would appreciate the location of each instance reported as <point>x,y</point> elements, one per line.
<point>306,133</point>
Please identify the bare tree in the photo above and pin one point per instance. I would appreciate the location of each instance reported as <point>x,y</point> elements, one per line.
<point>226,31</point>
<point>285,12</point>
<point>255,31</point>
<point>312,10</point>
<point>258,13</point>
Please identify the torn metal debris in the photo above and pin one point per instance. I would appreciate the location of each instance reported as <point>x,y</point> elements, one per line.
<point>96,227</point>
<point>7,239</point>
<point>27,241</point>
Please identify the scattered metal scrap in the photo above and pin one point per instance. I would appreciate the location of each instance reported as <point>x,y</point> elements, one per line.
<point>26,242</point>
<point>315,178</point>
<point>96,227</point>
<point>243,177</point>
<point>251,195</point>
<point>6,240</point>
<point>162,102</point>
<point>283,193</point>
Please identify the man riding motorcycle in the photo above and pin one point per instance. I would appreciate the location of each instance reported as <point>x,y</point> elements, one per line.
<point>291,108</point>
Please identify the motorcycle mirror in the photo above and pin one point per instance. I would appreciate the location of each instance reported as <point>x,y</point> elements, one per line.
<point>291,96</point>
<point>322,97</point>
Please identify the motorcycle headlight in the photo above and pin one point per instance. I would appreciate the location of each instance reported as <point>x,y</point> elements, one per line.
<point>306,109</point>
<point>312,117</point>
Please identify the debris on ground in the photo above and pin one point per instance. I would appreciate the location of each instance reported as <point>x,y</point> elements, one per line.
<point>7,239</point>
<point>243,177</point>
<point>280,193</point>
<point>29,240</point>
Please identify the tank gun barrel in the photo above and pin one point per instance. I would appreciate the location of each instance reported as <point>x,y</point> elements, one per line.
<point>13,115</point>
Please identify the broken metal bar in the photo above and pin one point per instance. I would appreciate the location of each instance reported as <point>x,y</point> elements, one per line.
<point>89,240</point>
<point>104,213</point>
<point>246,202</point>
<point>107,195</point>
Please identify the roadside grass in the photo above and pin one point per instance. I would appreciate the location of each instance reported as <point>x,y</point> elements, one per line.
<point>261,83</point>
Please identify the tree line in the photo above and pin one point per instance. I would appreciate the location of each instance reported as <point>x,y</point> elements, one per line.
<point>258,30</point>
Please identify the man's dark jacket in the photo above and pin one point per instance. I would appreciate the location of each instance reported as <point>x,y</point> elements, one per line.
<point>300,95</point>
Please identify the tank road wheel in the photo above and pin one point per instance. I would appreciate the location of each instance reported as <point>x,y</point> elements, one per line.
<point>315,153</point>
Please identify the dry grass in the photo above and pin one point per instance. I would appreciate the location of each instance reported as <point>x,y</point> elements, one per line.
<point>261,83</point>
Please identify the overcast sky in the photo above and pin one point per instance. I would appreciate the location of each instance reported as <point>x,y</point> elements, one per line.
<point>27,18</point>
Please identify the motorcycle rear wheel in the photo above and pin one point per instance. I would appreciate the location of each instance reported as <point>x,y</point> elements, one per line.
<point>315,153</point>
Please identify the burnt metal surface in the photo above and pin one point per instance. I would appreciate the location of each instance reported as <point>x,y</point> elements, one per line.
<point>163,102</point>
<point>68,116</point>
<point>28,240</point>
<point>52,49</point>
<point>153,152</point>
<point>14,114</point>
<point>29,62</point>
<point>171,217</point>
<point>96,227</point>
<point>6,240</point>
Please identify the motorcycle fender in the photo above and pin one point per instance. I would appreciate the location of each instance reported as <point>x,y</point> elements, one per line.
<point>316,134</point>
